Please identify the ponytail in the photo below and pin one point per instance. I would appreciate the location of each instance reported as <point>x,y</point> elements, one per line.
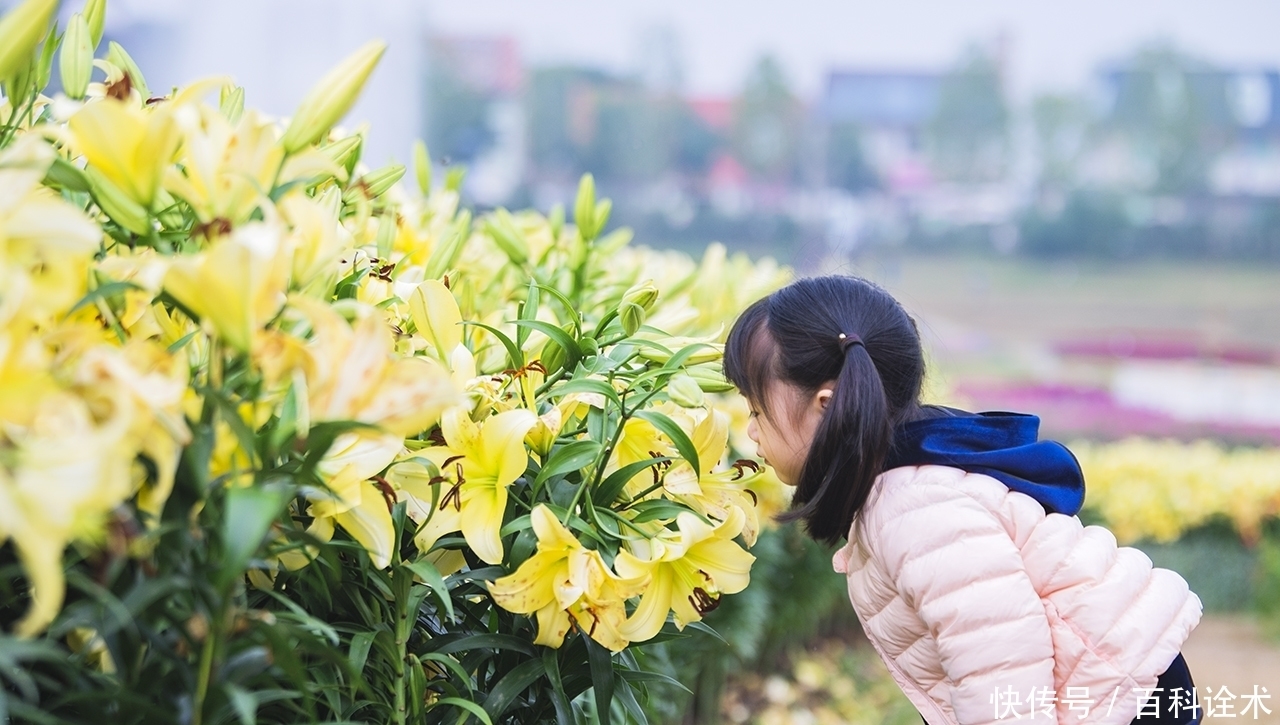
<point>847,333</point>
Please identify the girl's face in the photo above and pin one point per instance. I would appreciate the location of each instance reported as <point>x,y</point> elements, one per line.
<point>783,437</point>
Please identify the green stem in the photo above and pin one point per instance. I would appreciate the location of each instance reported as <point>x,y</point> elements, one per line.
<point>403,581</point>
<point>206,670</point>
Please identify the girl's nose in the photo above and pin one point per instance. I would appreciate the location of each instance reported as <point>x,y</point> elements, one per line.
<point>752,433</point>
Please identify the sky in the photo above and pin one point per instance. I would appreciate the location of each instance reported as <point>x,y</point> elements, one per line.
<point>1049,46</point>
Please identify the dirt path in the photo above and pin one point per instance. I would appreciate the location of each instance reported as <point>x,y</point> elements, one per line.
<point>1231,651</point>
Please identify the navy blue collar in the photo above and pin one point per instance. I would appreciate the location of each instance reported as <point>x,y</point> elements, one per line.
<point>1004,446</point>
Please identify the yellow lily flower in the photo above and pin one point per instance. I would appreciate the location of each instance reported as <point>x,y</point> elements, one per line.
<point>319,238</point>
<point>688,569</point>
<point>129,145</point>
<point>354,374</point>
<point>435,313</point>
<point>640,441</point>
<point>52,493</point>
<point>225,171</point>
<point>236,286</point>
<point>46,244</point>
<point>482,461</point>
<point>565,581</point>
<point>715,494</point>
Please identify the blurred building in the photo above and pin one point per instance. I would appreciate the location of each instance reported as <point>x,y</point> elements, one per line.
<point>887,113</point>
<point>476,114</point>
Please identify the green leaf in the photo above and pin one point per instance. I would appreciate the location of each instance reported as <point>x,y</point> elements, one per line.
<point>431,576</point>
<point>601,678</point>
<point>102,292</point>
<point>677,435</point>
<point>249,513</point>
<point>67,175</point>
<point>570,457</point>
<point>358,654</point>
<point>504,694</point>
<point>585,385</point>
<point>574,316</point>
<point>551,663</point>
<point>609,489</point>
<point>528,311</point>
<point>643,676</point>
<point>657,509</point>
<point>514,353</point>
<point>448,644</point>
<point>467,705</point>
<point>244,703</point>
<point>573,352</point>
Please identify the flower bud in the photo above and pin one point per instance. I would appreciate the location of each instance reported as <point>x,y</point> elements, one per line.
<point>231,103</point>
<point>422,167</point>
<point>122,209</point>
<point>20,31</point>
<point>584,208</point>
<point>542,436</point>
<point>553,356</point>
<point>685,392</point>
<point>75,60</point>
<point>632,317</point>
<point>643,294</point>
<point>374,184</point>
<point>709,380</point>
<point>95,16</point>
<point>331,98</point>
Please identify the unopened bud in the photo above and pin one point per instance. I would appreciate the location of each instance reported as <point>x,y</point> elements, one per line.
<point>632,317</point>
<point>643,294</point>
<point>75,60</point>
<point>122,209</point>
<point>20,31</point>
<point>374,184</point>
<point>584,208</point>
<point>331,98</point>
<point>685,392</point>
<point>343,151</point>
<point>709,380</point>
<point>422,167</point>
<point>231,103</point>
<point>95,16</point>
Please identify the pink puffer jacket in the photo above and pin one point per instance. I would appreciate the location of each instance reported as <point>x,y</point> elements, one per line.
<point>966,589</point>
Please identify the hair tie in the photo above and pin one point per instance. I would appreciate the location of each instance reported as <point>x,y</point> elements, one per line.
<point>847,341</point>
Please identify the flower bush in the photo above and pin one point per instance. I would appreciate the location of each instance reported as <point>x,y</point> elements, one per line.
<point>1159,489</point>
<point>284,440</point>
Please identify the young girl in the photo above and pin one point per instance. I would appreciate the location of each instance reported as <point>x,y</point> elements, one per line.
<point>979,588</point>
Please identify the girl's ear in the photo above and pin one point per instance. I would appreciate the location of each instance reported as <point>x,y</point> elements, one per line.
<point>822,398</point>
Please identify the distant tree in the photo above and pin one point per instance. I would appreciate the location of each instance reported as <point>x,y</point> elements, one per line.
<point>968,136</point>
<point>766,123</point>
<point>1062,125</point>
<point>846,163</point>
<point>1164,108</point>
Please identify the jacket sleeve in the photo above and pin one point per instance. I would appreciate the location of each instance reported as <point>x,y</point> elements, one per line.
<point>955,565</point>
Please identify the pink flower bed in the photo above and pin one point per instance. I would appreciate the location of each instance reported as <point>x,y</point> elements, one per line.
<point>1068,411</point>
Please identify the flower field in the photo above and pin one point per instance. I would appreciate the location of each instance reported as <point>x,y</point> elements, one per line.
<point>285,440</point>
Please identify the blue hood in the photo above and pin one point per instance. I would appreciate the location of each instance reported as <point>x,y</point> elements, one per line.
<point>1001,445</point>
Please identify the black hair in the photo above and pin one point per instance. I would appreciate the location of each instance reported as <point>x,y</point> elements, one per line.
<point>795,336</point>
